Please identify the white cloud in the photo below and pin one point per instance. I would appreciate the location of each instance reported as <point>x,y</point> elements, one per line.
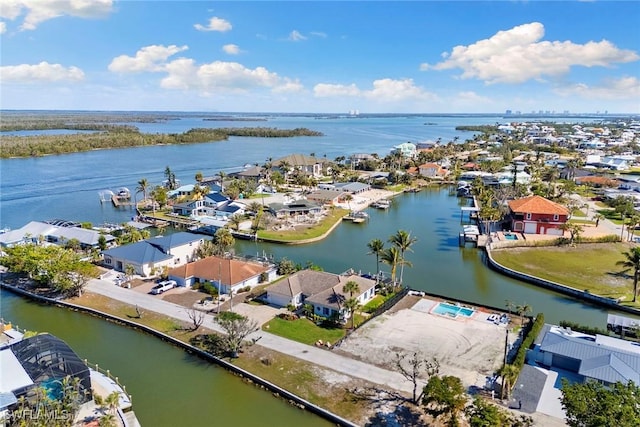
<point>38,11</point>
<point>289,86</point>
<point>215,24</point>
<point>518,55</point>
<point>319,34</point>
<point>3,27</point>
<point>296,36</point>
<point>384,90</point>
<point>149,58</point>
<point>42,72</point>
<point>622,88</point>
<point>231,49</point>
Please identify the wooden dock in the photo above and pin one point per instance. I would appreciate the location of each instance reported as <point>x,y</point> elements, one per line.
<point>120,201</point>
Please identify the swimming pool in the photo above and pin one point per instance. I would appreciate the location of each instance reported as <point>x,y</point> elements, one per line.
<point>451,310</point>
<point>510,236</point>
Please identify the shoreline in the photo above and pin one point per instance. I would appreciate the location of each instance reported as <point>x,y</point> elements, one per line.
<point>235,370</point>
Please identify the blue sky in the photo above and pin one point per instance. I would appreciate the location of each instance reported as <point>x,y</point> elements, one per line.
<point>330,56</point>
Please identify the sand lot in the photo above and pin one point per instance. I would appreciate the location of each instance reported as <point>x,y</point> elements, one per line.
<point>470,349</point>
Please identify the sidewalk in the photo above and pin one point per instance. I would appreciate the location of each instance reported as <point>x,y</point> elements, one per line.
<point>308,353</point>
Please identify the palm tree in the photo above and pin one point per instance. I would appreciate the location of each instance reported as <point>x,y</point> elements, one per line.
<point>392,257</point>
<point>235,220</point>
<point>112,401</point>
<point>352,305</point>
<point>351,287</point>
<point>376,246</point>
<point>143,186</point>
<point>222,175</point>
<point>597,218</point>
<point>403,241</point>
<point>522,311</point>
<point>632,261</point>
<point>509,374</point>
<point>348,198</point>
<point>285,167</point>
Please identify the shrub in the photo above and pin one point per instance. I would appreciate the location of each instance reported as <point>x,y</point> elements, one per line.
<point>291,307</point>
<point>529,335</point>
<point>583,328</point>
<point>264,276</point>
<point>288,316</point>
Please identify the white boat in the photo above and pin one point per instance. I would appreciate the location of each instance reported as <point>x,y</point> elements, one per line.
<point>381,204</point>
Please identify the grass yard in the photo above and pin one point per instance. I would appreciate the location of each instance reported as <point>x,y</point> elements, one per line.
<point>315,231</point>
<point>589,267</point>
<point>303,330</point>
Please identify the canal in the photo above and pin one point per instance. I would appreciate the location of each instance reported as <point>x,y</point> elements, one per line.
<point>169,386</point>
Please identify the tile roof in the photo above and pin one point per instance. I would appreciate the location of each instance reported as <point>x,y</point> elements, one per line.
<point>229,271</point>
<point>537,205</point>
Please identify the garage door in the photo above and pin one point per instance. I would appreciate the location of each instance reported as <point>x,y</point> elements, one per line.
<point>531,228</point>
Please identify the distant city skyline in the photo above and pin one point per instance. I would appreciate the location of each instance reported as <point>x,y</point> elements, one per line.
<point>321,57</point>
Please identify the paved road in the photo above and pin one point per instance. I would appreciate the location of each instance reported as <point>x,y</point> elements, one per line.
<point>305,352</point>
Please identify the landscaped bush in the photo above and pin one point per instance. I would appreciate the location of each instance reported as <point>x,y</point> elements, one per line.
<point>206,287</point>
<point>288,316</point>
<point>529,334</point>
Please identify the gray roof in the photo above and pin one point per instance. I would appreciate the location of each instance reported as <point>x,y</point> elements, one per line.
<point>602,358</point>
<point>37,228</point>
<point>353,187</point>
<point>152,250</point>
<point>319,287</point>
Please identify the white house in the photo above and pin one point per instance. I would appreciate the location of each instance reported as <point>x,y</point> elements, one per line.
<point>324,291</point>
<point>155,253</point>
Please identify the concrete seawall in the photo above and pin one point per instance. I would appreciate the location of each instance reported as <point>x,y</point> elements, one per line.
<point>558,287</point>
<point>276,390</point>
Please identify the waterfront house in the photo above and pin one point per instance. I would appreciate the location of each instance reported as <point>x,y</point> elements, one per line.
<point>43,232</point>
<point>307,165</point>
<point>327,197</point>
<point>320,289</point>
<point>537,215</point>
<point>432,170</point>
<point>294,209</point>
<point>589,357</point>
<point>226,274</point>
<point>352,187</point>
<point>150,255</point>
<point>406,150</point>
<point>206,206</point>
<point>38,361</point>
<point>252,173</point>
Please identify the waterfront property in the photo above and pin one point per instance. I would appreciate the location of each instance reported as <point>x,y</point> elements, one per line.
<point>324,291</point>
<point>537,215</point>
<point>55,232</point>
<point>150,255</point>
<point>307,165</point>
<point>226,274</point>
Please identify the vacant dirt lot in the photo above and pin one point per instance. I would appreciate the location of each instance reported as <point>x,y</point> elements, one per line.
<point>470,349</point>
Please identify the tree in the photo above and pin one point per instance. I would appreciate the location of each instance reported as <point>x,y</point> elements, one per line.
<point>102,242</point>
<point>285,266</point>
<point>207,248</point>
<point>198,176</point>
<point>509,374</point>
<point>447,395</point>
<point>112,401</point>
<point>484,414</point>
<point>591,404</point>
<point>598,217</point>
<point>222,175</point>
<point>237,327</point>
<point>143,187</point>
<point>196,317</point>
<point>235,220</point>
<point>573,229</point>
<point>376,246</point>
<point>129,270</point>
<point>392,257</point>
<point>170,179</point>
<point>352,304</point>
<point>223,240</point>
<point>348,198</point>
<point>351,287</point>
<point>403,241</point>
<point>413,368</point>
<point>632,261</point>
<point>523,310</point>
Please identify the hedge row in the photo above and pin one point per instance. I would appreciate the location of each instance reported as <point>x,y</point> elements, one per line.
<point>530,333</point>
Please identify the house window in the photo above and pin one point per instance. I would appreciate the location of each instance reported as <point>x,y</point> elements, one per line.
<point>107,261</point>
<point>325,310</point>
<point>556,217</point>
<point>528,216</point>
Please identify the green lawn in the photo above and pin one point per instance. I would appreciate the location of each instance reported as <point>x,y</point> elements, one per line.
<point>303,330</point>
<point>589,267</point>
<point>308,233</point>
<point>611,215</point>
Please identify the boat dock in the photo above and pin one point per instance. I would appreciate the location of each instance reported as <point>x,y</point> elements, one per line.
<point>357,217</point>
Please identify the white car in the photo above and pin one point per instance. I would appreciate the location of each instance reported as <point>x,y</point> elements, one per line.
<point>163,286</point>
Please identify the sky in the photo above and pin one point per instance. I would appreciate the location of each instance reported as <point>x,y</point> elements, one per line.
<point>321,57</point>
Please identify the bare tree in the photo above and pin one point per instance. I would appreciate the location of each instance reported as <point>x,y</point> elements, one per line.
<point>412,368</point>
<point>196,317</point>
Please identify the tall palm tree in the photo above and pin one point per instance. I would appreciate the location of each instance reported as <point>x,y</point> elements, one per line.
<point>403,241</point>
<point>376,246</point>
<point>143,187</point>
<point>392,257</point>
<point>632,261</point>
<point>351,287</point>
<point>352,305</point>
<point>509,374</point>
<point>222,175</point>
<point>235,220</point>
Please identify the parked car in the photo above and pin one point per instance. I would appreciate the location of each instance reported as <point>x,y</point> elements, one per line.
<point>163,286</point>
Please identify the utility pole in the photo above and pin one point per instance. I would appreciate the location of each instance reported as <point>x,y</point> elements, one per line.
<point>219,283</point>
